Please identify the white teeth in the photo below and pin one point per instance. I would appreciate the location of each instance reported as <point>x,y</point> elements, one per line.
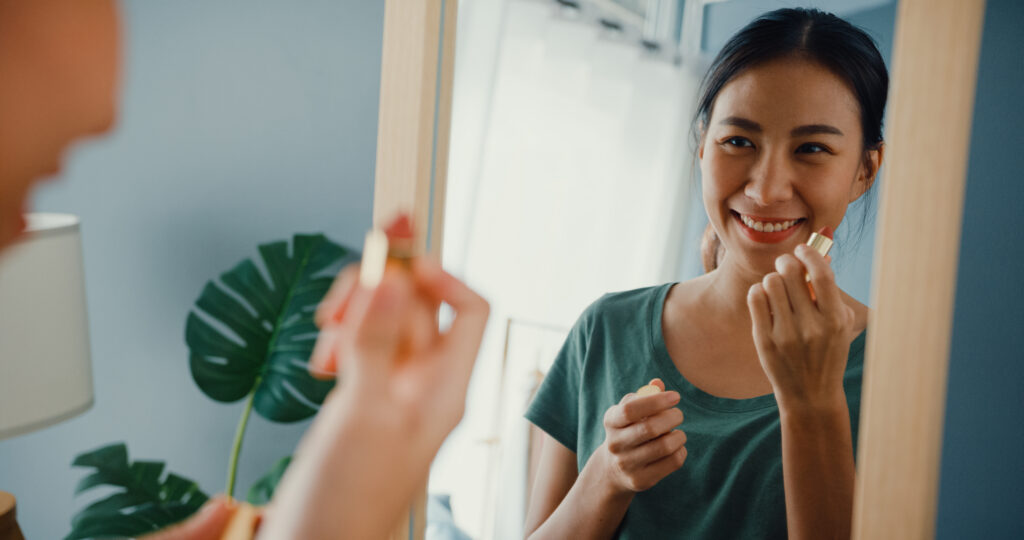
<point>767,227</point>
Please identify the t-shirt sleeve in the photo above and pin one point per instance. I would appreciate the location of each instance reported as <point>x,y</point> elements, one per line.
<point>555,407</point>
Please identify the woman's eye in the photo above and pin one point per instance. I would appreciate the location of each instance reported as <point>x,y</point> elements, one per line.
<point>739,142</point>
<point>811,148</point>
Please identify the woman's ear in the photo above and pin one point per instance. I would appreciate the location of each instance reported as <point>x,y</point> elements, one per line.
<point>868,171</point>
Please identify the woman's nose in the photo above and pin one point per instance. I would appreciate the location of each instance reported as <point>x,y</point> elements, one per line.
<point>770,181</point>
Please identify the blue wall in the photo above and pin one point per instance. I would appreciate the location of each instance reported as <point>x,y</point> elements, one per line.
<point>242,122</point>
<point>981,492</point>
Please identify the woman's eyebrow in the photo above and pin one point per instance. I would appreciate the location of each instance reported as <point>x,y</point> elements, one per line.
<point>815,129</point>
<point>742,123</point>
<point>801,131</point>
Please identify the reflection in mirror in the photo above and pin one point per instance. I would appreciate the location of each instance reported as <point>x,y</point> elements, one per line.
<point>573,173</point>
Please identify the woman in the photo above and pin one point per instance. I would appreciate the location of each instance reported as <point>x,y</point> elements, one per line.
<point>769,377</point>
<point>371,445</point>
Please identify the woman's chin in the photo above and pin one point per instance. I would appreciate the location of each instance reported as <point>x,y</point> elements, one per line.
<point>760,264</point>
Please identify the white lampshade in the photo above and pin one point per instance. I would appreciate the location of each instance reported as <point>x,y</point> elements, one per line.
<point>45,367</point>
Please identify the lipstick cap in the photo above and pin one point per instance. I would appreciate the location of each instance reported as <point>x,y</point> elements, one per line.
<point>820,243</point>
<point>375,253</point>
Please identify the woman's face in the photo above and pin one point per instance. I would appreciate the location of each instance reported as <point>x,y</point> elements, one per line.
<point>58,82</point>
<point>782,152</point>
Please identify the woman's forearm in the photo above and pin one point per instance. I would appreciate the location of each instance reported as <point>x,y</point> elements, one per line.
<point>818,470</point>
<point>355,472</point>
<point>591,509</point>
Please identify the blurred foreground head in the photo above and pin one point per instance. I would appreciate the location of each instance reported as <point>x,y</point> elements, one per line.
<point>58,83</point>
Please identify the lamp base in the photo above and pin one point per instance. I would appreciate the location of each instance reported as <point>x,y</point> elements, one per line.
<point>9,529</point>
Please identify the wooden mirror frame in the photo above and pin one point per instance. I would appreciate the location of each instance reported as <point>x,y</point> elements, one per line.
<point>414,122</point>
<point>933,79</point>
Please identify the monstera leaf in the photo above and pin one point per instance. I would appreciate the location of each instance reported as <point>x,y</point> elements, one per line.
<point>144,503</point>
<point>262,490</point>
<point>255,337</point>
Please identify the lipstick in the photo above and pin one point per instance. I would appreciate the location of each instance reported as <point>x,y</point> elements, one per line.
<point>401,239</point>
<point>821,242</point>
<point>394,243</point>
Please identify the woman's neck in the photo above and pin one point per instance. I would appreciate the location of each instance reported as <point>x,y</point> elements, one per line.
<point>727,288</point>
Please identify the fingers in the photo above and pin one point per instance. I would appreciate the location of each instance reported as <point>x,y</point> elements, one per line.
<point>778,302</point>
<point>651,451</point>
<point>830,303</point>
<point>332,307</point>
<point>206,524</point>
<point>668,464</point>
<point>399,317</point>
<point>378,321</point>
<point>643,467</point>
<point>243,523</point>
<point>648,429</point>
<point>793,272</point>
<point>661,447</point>
<point>760,315</point>
<point>633,408</point>
<point>323,363</point>
<point>462,340</point>
<point>659,383</point>
<point>347,298</point>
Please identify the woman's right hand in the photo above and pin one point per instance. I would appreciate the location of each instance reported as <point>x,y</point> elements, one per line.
<point>641,445</point>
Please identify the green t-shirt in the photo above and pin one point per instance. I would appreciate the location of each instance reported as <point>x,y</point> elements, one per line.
<point>731,484</point>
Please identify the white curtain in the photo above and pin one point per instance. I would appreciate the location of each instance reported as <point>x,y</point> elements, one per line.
<point>569,177</point>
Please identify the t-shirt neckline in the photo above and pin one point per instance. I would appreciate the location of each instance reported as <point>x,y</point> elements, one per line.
<point>687,391</point>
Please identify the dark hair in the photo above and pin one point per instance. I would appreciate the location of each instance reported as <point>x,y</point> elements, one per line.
<point>816,35</point>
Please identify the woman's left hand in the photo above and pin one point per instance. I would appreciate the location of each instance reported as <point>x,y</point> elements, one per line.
<point>802,342</point>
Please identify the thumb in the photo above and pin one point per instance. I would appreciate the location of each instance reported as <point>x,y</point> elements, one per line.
<point>206,524</point>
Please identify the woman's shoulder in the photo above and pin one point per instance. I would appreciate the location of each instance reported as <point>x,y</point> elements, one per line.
<point>628,302</point>
<point>621,310</point>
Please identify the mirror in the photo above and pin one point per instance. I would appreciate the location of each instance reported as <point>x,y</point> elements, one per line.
<point>571,175</point>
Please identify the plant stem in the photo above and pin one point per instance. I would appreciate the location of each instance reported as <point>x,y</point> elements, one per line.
<point>239,435</point>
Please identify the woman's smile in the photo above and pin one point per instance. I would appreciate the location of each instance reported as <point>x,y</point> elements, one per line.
<point>767,230</point>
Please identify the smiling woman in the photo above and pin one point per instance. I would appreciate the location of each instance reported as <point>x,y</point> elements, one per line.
<point>859,86</point>
<point>774,151</point>
<point>769,378</point>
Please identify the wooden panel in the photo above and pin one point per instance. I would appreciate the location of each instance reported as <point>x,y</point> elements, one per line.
<point>934,73</point>
<point>417,66</point>
<point>415,110</point>
<point>442,136</point>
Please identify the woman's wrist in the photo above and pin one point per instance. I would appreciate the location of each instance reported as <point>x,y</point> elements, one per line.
<point>597,473</point>
<point>807,410</point>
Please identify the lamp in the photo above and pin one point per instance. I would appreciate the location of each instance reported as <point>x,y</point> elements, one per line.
<point>45,366</point>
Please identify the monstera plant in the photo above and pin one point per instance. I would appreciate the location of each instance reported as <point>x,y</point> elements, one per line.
<point>250,337</point>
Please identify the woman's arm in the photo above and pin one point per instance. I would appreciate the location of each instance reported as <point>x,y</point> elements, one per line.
<point>803,344</point>
<point>818,470</point>
<point>567,504</point>
<point>641,447</point>
<point>555,475</point>
<point>370,447</point>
